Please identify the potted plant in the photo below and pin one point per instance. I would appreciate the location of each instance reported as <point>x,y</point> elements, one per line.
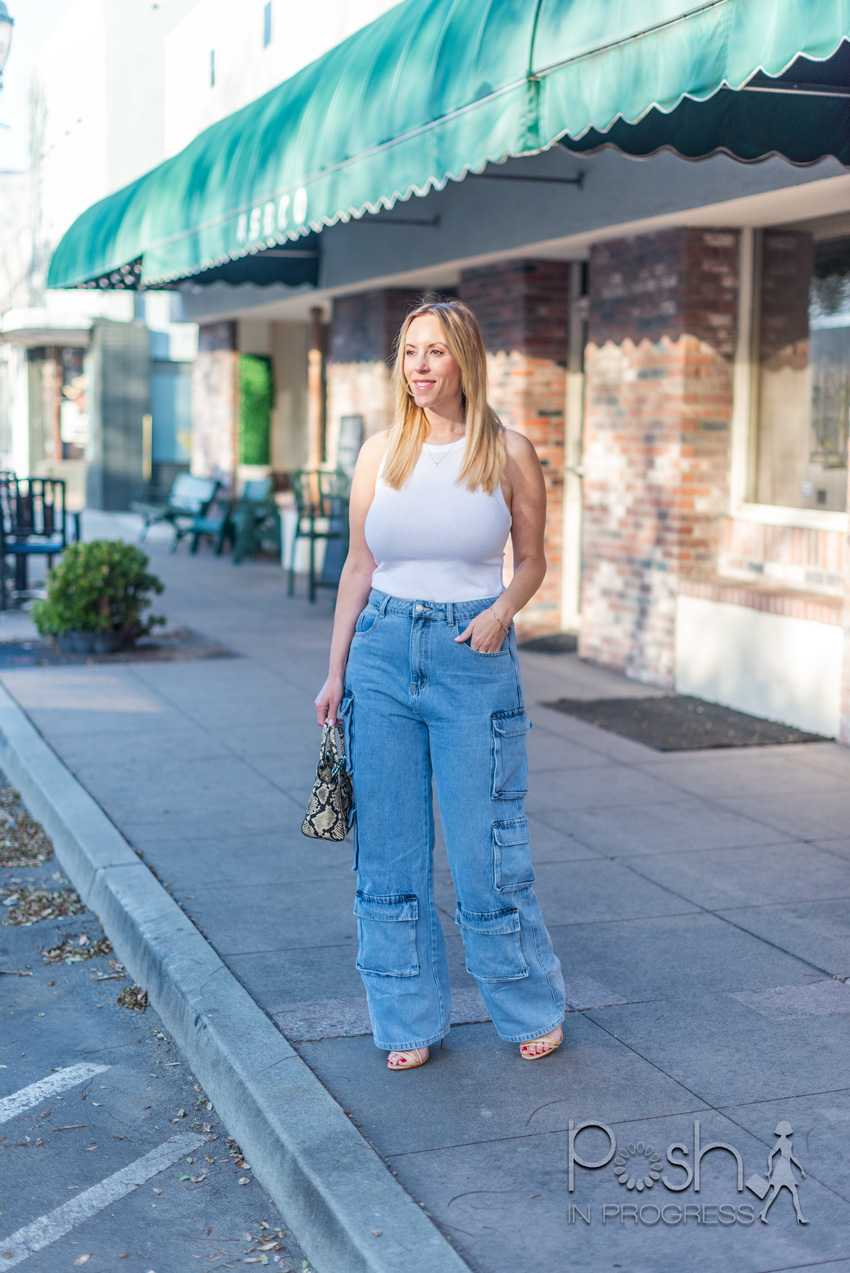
<point>96,597</point>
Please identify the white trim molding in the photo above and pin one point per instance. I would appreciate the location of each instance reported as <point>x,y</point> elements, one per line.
<point>803,518</point>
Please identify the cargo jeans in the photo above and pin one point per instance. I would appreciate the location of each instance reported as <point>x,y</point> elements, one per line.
<point>421,708</point>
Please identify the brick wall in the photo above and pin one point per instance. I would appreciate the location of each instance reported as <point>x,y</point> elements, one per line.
<point>522,308</point>
<point>658,404</point>
<point>363,330</point>
<point>790,556</point>
<point>215,401</point>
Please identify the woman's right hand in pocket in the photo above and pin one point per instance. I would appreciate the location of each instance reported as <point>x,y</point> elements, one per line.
<point>328,700</point>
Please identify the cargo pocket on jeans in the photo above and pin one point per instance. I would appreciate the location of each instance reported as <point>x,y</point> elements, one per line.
<point>493,946</point>
<point>386,934</point>
<point>509,767</point>
<point>512,867</point>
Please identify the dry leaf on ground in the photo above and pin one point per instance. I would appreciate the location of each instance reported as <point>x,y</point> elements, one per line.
<point>133,997</point>
<point>32,905</point>
<point>22,841</point>
<point>74,950</point>
<point>237,1155</point>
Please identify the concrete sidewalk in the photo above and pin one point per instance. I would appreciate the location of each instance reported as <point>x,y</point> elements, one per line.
<point>698,902</point>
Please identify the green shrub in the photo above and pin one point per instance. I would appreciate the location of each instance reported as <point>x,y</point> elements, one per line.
<point>102,586</point>
<point>256,398</point>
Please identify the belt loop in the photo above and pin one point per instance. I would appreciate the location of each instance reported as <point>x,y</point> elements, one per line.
<point>450,613</point>
<point>385,601</point>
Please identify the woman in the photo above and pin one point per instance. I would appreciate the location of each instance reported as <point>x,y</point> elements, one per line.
<point>432,691</point>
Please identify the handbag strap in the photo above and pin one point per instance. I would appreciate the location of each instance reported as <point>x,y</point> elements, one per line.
<point>333,749</point>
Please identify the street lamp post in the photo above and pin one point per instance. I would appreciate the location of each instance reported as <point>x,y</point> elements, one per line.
<point>6,24</point>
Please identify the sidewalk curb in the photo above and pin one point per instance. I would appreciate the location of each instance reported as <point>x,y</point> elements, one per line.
<point>330,1185</point>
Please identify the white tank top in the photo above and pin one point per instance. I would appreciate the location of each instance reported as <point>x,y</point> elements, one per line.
<point>436,540</point>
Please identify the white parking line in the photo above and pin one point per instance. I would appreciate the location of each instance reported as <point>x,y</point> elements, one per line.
<point>11,1106</point>
<point>34,1237</point>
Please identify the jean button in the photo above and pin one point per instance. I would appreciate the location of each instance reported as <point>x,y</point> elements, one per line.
<point>420,609</point>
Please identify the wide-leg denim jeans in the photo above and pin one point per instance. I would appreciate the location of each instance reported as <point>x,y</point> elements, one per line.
<point>420,707</point>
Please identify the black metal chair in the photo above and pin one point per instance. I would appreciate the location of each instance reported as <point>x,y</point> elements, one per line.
<point>321,506</point>
<point>32,524</point>
<point>256,520</point>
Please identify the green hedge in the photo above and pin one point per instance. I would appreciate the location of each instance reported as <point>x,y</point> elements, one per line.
<point>256,397</point>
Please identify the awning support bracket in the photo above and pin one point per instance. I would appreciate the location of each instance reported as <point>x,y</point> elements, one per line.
<point>578,180</point>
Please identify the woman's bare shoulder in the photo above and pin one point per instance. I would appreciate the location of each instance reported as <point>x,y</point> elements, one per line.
<point>374,446</point>
<point>372,452</point>
<point>519,449</point>
<point>376,442</point>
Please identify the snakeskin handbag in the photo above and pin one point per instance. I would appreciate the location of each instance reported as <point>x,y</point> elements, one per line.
<point>329,811</point>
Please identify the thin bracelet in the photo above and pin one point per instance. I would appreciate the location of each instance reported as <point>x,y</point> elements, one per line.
<point>498,620</point>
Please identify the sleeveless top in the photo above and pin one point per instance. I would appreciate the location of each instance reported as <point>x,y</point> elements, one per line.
<point>436,540</point>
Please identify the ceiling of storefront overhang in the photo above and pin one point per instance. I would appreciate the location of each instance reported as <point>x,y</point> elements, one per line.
<point>438,263</point>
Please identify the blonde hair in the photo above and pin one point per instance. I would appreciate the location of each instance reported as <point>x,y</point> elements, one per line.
<point>484,454</point>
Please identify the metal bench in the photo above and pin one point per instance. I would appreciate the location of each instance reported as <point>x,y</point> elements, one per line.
<point>188,502</point>
<point>32,524</point>
<point>246,522</point>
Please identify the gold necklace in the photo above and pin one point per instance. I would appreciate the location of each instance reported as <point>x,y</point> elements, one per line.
<point>444,449</point>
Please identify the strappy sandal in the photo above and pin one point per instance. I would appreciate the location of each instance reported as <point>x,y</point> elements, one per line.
<point>547,1042</point>
<point>407,1060</point>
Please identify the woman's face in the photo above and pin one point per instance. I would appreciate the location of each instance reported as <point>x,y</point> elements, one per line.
<point>431,372</point>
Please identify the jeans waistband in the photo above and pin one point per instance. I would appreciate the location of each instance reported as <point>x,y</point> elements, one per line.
<point>447,611</point>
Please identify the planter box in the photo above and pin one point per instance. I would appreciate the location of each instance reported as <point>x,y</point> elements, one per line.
<point>94,642</point>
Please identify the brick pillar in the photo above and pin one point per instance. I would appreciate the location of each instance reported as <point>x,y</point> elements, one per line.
<point>360,354</point>
<point>523,307</point>
<point>215,402</point>
<point>658,406</point>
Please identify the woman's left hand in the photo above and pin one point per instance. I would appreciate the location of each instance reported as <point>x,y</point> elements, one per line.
<point>485,633</point>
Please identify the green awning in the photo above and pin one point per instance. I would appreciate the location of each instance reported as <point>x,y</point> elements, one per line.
<point>431,92</point>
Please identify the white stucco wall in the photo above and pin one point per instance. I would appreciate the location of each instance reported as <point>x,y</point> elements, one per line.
<point>289,417</point>
<point>770,665</point>
<point>96,117</point>
<point>244,69</point>
<point>68,121</point>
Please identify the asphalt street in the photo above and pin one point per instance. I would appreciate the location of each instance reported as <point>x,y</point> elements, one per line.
<point>112,1156</point>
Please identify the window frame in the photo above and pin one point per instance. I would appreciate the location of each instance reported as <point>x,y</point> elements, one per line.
<point>744,439</point>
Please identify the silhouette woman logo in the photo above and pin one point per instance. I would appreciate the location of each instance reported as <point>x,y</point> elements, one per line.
<point>780,1173</point>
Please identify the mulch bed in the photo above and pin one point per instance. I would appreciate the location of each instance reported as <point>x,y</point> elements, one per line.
<point>180,643</point>
<point>555,643</point>
<point>679,722</point>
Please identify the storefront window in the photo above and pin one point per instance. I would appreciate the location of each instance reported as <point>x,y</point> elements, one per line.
<point>803,367</point>
<point>73,408</point>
